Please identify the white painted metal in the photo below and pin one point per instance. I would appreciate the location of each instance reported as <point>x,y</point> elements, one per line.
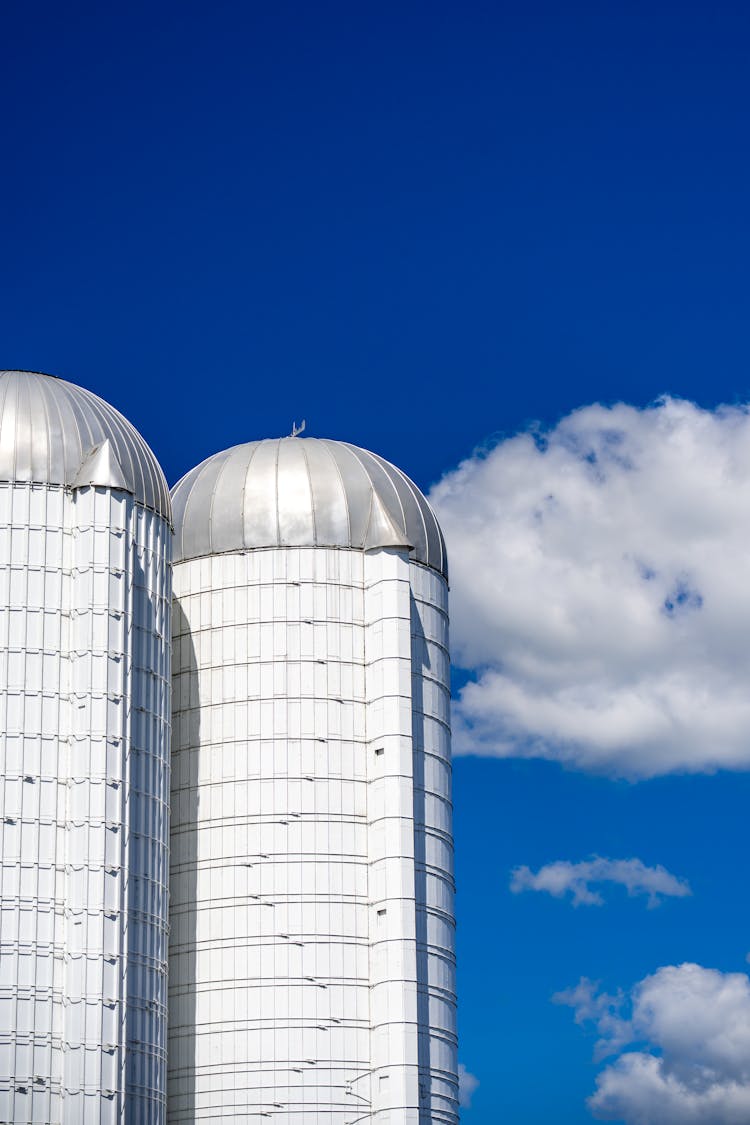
<point>85,607</point>
<point>410,842</point>
<point>312,933</point>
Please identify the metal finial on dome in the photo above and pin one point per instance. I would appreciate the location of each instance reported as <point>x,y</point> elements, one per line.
<point>297,430</point>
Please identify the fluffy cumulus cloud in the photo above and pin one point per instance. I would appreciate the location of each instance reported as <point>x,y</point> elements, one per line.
<point>467,1084</point>
<point>691,1061</point>
<point>600,592</point>
<point>579,879</point>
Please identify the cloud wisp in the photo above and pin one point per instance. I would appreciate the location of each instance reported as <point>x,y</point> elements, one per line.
<point>599,590</point>
<point>689,1032</point>
<point>467,1084</point>
<point>579,879</point>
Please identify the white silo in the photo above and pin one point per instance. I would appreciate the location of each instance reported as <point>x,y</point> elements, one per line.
<point>85,609</point>
<point>312,958</point>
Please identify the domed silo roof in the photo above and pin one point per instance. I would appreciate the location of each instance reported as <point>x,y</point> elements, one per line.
<point>302,492</point>
<point>53,432</point>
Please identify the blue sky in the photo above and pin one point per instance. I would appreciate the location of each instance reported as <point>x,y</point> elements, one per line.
<point>424,228</point>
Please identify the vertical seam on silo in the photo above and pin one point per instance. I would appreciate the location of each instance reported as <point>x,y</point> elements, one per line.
<point>196,477</point>
<point>370,506</point>
<point>255,446</point>
<point>147,460</point>
<point>42,386</point>
<point>56,398</point>
<point>276,481</point>
<point>14,473</point>
<point>344,493</point>
<point>214,490</point>
<point>29,407</point>
<point>134,446</point>
<point>312,495</point>
<point>6,382</point>
<point>121,428</point>
<point>417,498</point>
<point>367,453</point>
<point>68,397</point>
<point>130,637</point>
<point>118,422</point>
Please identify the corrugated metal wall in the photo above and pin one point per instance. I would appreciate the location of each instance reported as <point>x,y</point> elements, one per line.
<point>85,609</point>
<point>311,952</point>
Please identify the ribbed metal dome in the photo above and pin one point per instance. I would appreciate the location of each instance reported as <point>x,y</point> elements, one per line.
<point>53,432</point>
<point>302,492</point>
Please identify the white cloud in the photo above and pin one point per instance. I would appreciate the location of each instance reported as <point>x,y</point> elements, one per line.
<point>562,877</point>
<point>599,590</point>
<point>692,1063</point>
<point>467,1084</point>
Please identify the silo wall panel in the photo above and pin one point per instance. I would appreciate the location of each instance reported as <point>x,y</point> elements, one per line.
<point>394,1084</point>
<point>433,830</point>
<point>269,984</point>
<point>85,620</point>
<point>312,956</point>
<point>34,715</point>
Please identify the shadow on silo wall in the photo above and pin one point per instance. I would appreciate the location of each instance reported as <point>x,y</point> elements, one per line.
<point>182,1061</point>
<point>420,659</point>
<point>147,858</point>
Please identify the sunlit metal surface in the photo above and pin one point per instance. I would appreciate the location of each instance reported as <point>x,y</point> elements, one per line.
<point>85,656</point>
<point>312,926</point>
<point>302,492</point>
<point>53,432</point>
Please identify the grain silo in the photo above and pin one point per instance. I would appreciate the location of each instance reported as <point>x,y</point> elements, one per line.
<point>312,929</point>
<point>85,608</point>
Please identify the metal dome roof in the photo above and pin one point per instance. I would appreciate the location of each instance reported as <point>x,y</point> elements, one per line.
<point>53,432</point>
<point>302,492</point>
